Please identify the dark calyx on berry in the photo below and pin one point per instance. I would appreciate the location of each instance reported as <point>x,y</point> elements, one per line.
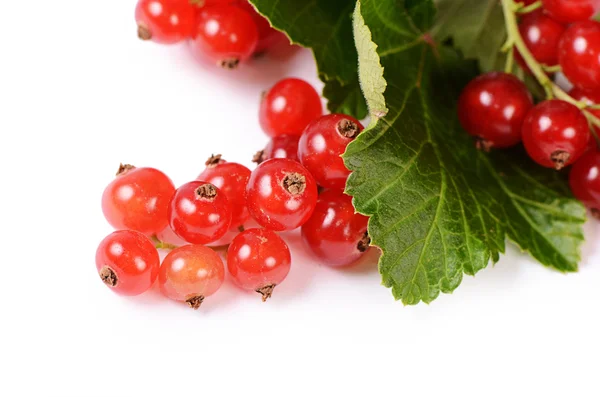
<point>347,128</point>
<point>108,276</point>
<point>230,63</point>
<point>266,291</point>
<point>560,158</point>
<point>483,144</point>
<point>294,183</point>
<point>144,32</point>
<point>364,243</point>
<point>124,168</point>
<point>214,160</point>
<point>206,192</point>
<point>195,301</point>
<point>259,157</point>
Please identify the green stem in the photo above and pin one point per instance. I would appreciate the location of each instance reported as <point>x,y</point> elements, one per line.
<point>530,7</point>
<point>552,90</point>
<point>161,245</point>
<point>510,61</point>
<point>551,69</point>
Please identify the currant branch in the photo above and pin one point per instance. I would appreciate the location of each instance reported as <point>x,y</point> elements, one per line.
<point>511,9</point>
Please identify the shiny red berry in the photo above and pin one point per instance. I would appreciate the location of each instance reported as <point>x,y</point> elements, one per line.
<point>267,36</point>
<point>258,260</point>
<point>288,107</point>
<point>541,35</point>
<point>555,133</point>
<point>280,147</point>
<point>165,21</point>
<point>335,233</point>
<point>321,147</point>
<point>225,34</point>
<point>190,274</point>
<point>588,97</point>
<point>127,262</point>
<point>231,179</point>
<point>138,199</point>
<point>281,194</point>
<point>492,108</point>
<point>199,213</point>
<point>569,11</point>
<point>585,181</point>
<point>579,54</point>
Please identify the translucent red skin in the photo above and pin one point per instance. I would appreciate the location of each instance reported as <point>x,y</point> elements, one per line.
<point>271,205</point>
<point>135,263</point>
<point>590,98</point>
<point>334,230</point>
<point>138,200</point>
<point>231,179</point>
<point>320,149</point>
<point>288,107</point>
<point>489,122</point>
<point>193,223</point>
<point>579,54</point>
<point>215,27</point>
<point>267,36</point>
<point>585,179</point>
<point>569,11</point>
<point>257,258</point>
<point>189,271</point>
<point>282,147</point>
<point>161,26</point>
<point>558,117</point>
<point>541,35</point>
<point>587,97</point>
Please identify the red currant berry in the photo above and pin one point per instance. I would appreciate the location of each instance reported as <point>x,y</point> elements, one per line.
<point>267,36</point>
<point>190,274</point>
<point>281,194</point>
<point>585,181</point>
<point>138,199</point>
<point>541,35</point>
<point>225,34</point>
<point>231,179</point>
<point>280,147</point>
<point>208,3</point>
<point>288,107</point>
<point>258,260</point>
<point>569,11</point>
<point>321,147</point>
<point>579,54</point>
<point>555,134</point>
<point>335,233</point>
<point>492,108</point>
<point>199,213</point>
<point>588,97</point>
<point>127,262</point>
<point>165,21</point>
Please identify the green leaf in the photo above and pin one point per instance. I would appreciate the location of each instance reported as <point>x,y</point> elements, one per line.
<point>325,26</point>
<point>476,27</point>
<point>440,208</point>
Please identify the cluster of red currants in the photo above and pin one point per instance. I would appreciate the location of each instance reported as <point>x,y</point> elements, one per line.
<point>226,32</point>
<point>499,111</point>
<point>281,194</point>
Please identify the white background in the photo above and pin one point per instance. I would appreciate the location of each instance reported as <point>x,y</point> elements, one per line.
<point>79,94</point>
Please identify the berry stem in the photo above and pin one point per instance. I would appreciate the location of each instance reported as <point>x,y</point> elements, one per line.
<point>161,245</point>
<point>529,8</point>
<point>510,9</point>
